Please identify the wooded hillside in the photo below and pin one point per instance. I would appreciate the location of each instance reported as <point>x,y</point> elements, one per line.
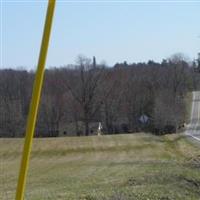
<point>76,97</point>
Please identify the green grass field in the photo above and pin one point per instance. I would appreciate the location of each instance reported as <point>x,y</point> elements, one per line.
<point>120,167</point>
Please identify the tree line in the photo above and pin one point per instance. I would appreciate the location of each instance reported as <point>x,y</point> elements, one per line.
<point>125,98</point>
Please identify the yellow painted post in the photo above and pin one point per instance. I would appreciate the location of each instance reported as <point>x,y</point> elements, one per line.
<point>39,76</point>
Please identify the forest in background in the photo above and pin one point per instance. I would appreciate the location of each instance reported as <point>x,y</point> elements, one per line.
<point>75,98</point>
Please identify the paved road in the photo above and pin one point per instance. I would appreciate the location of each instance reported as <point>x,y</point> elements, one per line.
<point>193,129</point>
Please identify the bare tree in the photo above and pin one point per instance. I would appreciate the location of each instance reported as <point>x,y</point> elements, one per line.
<point>83,85</point>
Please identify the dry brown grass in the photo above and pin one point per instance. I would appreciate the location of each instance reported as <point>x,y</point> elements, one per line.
<point>97,167</point>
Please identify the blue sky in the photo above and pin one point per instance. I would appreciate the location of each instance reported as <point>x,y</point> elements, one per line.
<point>112,31</point>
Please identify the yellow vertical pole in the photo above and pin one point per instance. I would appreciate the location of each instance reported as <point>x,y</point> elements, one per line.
<point>35,102</point>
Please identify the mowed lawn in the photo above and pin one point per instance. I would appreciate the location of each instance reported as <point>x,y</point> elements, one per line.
<point>114,167</point>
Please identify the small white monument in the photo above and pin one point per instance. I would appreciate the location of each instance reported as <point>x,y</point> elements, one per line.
<point>99,130</point>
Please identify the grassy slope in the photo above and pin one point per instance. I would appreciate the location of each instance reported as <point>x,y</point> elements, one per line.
<point>135,166</point>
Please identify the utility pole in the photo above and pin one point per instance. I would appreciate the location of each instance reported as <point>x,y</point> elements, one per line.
<point>94,61</point>
<point>33,111</point>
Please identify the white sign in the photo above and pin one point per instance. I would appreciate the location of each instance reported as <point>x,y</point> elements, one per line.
<point>144,119</point>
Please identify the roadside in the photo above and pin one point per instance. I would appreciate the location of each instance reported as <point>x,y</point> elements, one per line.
<point>133,166</point>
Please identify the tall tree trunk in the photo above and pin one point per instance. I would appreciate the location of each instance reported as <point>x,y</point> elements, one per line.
<point>86,127</point>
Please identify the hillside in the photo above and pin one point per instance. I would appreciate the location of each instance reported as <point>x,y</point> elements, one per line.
<point>117,167</point>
